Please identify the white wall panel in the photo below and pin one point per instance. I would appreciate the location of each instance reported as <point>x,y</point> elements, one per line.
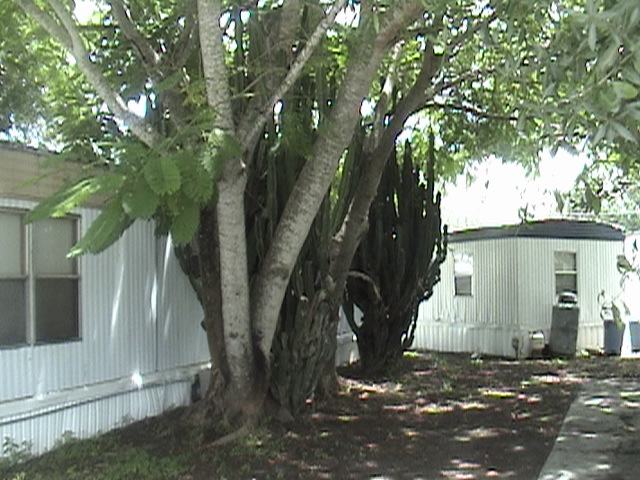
<point>15,373</point>
<point>181,339</point>
<point>486,339</point>
<point>87,419</point>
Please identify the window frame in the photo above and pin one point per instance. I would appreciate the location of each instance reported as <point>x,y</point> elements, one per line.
<point>30,278</point>
<point>565,273</point>
<point>466,258</point>
<point>23,277</point>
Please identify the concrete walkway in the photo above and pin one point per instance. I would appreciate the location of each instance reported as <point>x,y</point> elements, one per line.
<point>600,437</point>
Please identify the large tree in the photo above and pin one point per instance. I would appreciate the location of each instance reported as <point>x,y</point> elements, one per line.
<point>213,74</point>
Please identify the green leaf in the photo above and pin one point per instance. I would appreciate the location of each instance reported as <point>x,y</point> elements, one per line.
<point>169,82</point>
<point>162,174</point>
<point>199,179</point>
<point>70,197</point>
<point>141,201</point>
<point>184,226</point>
<point>616,315</point>
<point>592,200</point>
<point>624,132</point>
<point>608,58</point>
<point>223,145</point>
<point>56,204</point>
<point>630,74</point>
<point>625,90</point>
<point>559,200</point>
<point>104,231</point>
<point>623,264</point>
<point>600,134</point>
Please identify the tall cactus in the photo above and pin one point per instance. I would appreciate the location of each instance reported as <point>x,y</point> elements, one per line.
<point>398,261</point>
<point>301,346</point>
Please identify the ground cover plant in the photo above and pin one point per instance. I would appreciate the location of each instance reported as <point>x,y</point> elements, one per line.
<point>435,416</point>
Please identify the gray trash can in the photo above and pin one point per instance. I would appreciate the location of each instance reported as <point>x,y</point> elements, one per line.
<point>634,330</point>
<point>613,335</point>
<point>564,330</point>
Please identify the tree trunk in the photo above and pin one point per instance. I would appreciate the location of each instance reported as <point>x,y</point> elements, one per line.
<point>382,339</point>
<point>398,263</point>
<point>211,297</point>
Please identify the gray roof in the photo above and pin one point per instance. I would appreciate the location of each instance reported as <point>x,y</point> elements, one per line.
<point>571,229</point>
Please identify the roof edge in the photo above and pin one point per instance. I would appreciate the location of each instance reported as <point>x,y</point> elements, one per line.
<point>552,228</point>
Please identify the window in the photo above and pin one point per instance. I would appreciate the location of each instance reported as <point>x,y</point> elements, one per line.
<point>566,272</point>
<point>463,274</point>
<point>39,285</point>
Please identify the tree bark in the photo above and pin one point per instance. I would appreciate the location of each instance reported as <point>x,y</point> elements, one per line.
<point>243,390</point>
<point>211,299</point>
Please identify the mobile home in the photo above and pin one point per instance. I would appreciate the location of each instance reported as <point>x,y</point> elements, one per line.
<point>91,343</point>
<point>499,286</point>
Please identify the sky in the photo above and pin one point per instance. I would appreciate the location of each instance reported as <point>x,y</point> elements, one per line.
<point>500,190</point>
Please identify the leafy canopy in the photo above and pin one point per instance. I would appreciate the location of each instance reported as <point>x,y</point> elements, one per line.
<point>510,78</point>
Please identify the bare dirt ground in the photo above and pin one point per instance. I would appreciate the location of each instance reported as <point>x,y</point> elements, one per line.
<point>436,416</point>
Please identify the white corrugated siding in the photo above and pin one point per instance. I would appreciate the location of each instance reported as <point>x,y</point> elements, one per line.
<point>494,286</point>
<point>43,429</point>
<point>138,315</point>
<point>181,339</point>
<point>513,294</point>
<point>596,267</point>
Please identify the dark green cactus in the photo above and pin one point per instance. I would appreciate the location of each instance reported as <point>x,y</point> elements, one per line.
<point>301,346</point>
<point>398,261</point>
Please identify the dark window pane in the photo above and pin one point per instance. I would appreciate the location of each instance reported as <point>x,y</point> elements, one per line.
<point>566,282</point>
<point>463,285</point>
<point>13,312</point>
<point>56,309</point>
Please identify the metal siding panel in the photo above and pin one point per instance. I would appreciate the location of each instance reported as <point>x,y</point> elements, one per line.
<point>16,370</point>
<point>486,339</point>
<point>536,283</point>
<point>119,330</point>
<point>596,266</point>
<point>117,306</point>
<point>181,339</point>
<point>514,295</point>
<point>89,419</point>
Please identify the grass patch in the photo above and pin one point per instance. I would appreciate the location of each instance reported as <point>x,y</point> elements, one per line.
<point>97,459</point>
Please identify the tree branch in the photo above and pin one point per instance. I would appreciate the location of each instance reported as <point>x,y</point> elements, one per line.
<point>65,31</point>
<point>152,61</point>
<point>367,279</point>
<point>355,223</point>
<point>145,52</point>
<point>213,63</point>
<point>185,43</point>
<point>48,22</point>
<point>315,177</point>
<point>251,129</point>
<point>472,110</point>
